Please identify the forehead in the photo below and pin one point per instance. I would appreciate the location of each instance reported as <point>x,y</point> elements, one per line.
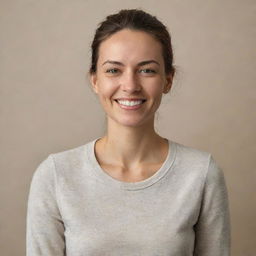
<point>130,46</point>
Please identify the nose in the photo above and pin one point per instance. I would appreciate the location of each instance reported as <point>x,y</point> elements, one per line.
<point>130,82</point>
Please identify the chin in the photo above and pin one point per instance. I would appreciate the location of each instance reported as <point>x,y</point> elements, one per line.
<point>132,122</point>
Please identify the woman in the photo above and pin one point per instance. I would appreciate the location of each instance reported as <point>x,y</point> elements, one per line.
<point>130,192</point>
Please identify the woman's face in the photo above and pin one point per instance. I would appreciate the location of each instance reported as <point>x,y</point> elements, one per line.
<point>130,77</point>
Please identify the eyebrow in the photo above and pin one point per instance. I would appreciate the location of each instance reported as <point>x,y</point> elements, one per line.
<point>142,63</point>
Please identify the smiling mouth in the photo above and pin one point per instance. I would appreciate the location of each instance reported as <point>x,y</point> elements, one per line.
<point>130,103</point>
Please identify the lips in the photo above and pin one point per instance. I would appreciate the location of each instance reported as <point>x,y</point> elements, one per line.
<point>131,99</point>
<point>131,104</point>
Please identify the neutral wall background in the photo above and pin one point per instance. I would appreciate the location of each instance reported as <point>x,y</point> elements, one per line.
<point>47,105</point>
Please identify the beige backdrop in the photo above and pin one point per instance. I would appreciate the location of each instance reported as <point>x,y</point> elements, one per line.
<point>47,105</point>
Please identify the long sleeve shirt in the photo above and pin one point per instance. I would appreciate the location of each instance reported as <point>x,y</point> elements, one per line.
<point>76,209</point>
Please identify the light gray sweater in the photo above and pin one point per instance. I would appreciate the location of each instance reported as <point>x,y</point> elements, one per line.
<point>76,209</point>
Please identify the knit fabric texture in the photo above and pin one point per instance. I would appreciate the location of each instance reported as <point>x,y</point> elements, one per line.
<point>76,209</point>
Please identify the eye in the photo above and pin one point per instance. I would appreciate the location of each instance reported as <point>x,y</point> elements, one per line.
<point>148,71</point>
<point>112,70</point>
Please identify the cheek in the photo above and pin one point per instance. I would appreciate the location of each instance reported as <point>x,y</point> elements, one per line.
<point>155,88</point>
<point>106,88</point>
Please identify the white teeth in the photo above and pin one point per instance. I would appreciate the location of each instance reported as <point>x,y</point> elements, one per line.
<point>130,102</point>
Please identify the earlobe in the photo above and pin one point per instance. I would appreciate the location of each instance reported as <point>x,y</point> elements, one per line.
<point>93,79</point>
<point>168,83</point>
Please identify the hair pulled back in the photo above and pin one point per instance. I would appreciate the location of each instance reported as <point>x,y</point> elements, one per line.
<point>134,19</point>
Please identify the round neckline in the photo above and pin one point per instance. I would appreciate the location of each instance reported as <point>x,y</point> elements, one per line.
<point>106,178</point>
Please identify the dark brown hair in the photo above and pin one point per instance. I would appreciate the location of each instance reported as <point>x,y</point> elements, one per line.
<point>134,19</point>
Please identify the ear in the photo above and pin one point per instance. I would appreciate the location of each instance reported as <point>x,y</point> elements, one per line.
<point>168,83</point>
<point>94,82</point>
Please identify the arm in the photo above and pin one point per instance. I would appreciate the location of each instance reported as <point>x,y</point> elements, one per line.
<point>212,230</point>
<point>45,229</point>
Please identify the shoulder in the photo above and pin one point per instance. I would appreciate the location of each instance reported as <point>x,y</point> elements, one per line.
<point>196,162</point>
<point>70,156</point>
<point>201,162</point>
<point>62,162</point>
<point>199,168</point>
<point>72,160</point>
<point>191,156</point>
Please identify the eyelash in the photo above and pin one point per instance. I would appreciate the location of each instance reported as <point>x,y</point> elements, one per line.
<point>151,71</point>
<point>110,70</point>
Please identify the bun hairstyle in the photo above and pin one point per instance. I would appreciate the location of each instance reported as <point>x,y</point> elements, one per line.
<point>134,19</point>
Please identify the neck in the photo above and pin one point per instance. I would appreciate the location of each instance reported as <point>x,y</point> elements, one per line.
<point>131,146</point>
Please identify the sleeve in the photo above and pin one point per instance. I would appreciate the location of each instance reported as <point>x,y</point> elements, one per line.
<point>212,230</point>
<point>45,229</point>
